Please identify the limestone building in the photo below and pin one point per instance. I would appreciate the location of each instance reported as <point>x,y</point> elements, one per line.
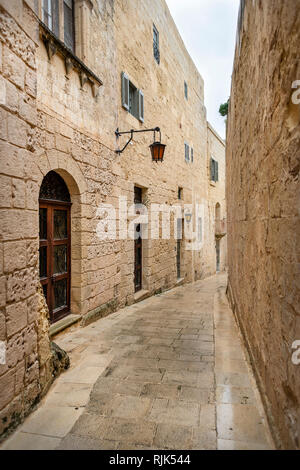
<point>71,74</point>
<point>263,156</point>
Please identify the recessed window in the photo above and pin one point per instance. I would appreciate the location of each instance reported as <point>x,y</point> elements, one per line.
<point>156,51</point>
<point>180,194</point>
<point>214,170</point>
<point>186,92</point>
<point>132,98</point>
<point>50,15</point>
<point>53,18</point>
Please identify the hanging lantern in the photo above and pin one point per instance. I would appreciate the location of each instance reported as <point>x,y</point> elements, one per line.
<point>157,148</point>
<point>157,151</point>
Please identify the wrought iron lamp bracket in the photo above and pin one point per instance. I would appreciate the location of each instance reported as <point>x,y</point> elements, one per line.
<point>131,132</point>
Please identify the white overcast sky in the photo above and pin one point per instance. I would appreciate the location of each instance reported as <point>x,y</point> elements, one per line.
<point>208,28</point>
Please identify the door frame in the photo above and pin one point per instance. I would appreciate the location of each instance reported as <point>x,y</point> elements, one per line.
<point>50,280</point>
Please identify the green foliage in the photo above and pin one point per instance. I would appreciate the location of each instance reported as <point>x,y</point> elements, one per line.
<point>224,109</point>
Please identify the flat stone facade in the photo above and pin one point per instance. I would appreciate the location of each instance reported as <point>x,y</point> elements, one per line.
<point>263,203</point>
<point>59,112</point>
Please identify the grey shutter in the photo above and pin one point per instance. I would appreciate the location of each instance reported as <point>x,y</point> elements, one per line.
<point>192,155</point>
<point>55,17</point>
<point>69,24</point>
<point>125,91</point>
<point>217,171</point>
<point>186,90</point>
<point>187,152</point>
<point>212,169</point>
<point>141,106</point>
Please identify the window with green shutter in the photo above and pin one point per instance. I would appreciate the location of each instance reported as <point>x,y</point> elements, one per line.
<point>217,172</point>
<point>141,106</point>
<point>187,152</point>
<point>186,91</point>
<point>125,91</point>
<point>156,52</point>
<point>132,98</point>
<point>214,170</point>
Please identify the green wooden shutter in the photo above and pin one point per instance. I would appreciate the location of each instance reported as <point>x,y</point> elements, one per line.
<point>141,106</point>
<point>125,91</point>
<point>217,171</point>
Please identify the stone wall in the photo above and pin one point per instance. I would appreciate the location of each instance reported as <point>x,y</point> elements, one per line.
<point>216,197</point>
<point>23,326</point>
<point>53,119</point>
<point>263,161</point>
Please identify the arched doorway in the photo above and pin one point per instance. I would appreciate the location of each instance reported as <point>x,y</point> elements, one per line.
<point>55,244</point>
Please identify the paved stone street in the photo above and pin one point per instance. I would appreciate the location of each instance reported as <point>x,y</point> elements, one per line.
<point>168,373</point>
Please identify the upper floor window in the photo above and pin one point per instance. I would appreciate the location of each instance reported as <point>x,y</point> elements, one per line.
<point>69,38</point>
<point>192,155</point>
<point>53,17</point>
<point>50,15</point>
<point>214,170</point>
<point>132,98</point>
<point>186,90</point>
<point>156,44</point>
<point>187,152</point>
<point>180,194</point>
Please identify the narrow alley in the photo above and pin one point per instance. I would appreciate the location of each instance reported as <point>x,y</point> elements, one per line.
<point>167,373</point>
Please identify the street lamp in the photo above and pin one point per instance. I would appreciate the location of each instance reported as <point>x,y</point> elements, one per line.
<point>157,148</point>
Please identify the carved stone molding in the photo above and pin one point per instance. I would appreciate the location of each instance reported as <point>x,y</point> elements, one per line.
<point>54,46</point>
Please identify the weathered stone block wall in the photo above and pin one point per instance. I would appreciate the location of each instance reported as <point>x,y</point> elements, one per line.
<point>24,328</point>
<point>51,121</point>
<point>181,121</point>
<point>263,162</point>
<point>216,195</point>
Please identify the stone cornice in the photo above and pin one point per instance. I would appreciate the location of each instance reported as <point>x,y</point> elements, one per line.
<point>54,46</point>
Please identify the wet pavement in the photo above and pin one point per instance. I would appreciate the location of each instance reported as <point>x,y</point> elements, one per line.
<point>167,373</point>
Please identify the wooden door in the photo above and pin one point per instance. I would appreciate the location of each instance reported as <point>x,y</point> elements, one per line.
<point>218,255</point>
<point>55,265</point>
<point>179,244</point>
<point>138,247</point>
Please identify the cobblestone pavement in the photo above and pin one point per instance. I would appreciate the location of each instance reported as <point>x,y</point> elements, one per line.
<point>168,373</point>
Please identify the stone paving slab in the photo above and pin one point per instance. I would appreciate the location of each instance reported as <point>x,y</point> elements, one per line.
<point>167,373</point>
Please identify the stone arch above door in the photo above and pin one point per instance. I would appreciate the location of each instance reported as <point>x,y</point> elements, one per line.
<point>70,172</point>
<point>67,168</point>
